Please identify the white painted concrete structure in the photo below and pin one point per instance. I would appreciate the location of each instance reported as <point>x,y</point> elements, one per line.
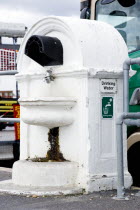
<point>93,56</point>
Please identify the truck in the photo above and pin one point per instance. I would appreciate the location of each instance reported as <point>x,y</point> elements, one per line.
<point>8,54</point>
<point>124,16</point>
<point>6,110</point>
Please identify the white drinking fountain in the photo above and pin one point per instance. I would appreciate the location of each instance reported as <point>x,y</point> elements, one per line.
<point>70,81</point>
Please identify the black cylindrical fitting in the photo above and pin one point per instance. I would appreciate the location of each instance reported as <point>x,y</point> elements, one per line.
<point>45,50</point>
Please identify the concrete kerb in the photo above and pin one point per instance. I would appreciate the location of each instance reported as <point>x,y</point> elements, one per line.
<point>9,188</point>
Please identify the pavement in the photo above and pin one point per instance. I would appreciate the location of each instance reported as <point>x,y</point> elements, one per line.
<point>97,200</point>
<point>31,200</point>
<point>5,173</point>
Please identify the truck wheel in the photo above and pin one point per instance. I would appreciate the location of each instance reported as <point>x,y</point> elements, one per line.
<point>133,156</point>
<point>16,151</point>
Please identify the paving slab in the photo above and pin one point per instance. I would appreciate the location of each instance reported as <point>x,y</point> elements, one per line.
<point>98,200</point>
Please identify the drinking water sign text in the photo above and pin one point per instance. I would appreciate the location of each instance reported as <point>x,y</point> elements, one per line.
<point>108,85</point>
<point>107,107</point>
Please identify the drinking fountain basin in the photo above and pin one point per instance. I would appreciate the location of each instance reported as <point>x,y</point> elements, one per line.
<point>47,111</point>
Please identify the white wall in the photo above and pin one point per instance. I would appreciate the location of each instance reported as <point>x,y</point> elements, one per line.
<point>92,50</point>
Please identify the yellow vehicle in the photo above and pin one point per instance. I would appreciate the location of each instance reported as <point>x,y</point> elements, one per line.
<point>6,110</point>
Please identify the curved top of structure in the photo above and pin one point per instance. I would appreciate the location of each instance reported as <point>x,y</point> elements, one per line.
<point>86,44</point>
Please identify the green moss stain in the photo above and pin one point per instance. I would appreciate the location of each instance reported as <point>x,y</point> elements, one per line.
<point>54,153</point>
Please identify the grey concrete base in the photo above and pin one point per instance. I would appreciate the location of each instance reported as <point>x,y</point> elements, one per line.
<point>44,174</point>
<point>103,183</point>
<point>10,188</point>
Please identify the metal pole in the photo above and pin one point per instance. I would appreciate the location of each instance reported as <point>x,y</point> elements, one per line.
<point>17,96</point>
<point>15,120</point>
<point>120,174</point>
<point>14,43</point>
<point>126,91</point>
<point>119,136</point>
<point>133,115</point>
<point>10,72</point>
<point>131,122</point>
<point>119,130</point>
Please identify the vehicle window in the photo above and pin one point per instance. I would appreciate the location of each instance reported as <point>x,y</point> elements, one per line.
<point>125,19</point>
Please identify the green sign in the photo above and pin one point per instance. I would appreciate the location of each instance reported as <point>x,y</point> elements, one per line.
<point>107,107</point>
